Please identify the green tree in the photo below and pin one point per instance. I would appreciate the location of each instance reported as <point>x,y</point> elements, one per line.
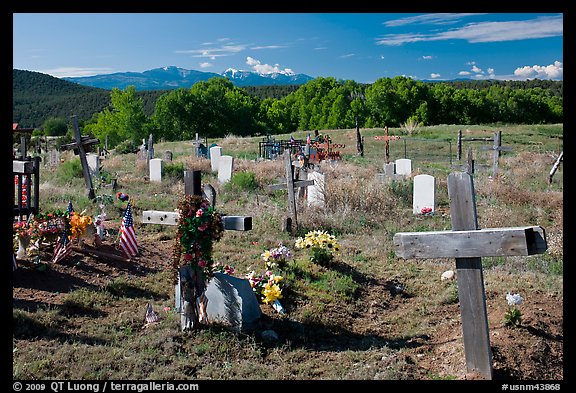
<point>125,120</point>
<point>55,126</point>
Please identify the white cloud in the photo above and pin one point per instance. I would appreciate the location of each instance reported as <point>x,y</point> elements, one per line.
<point>347,55</point>
<point>260,68</point>
<point>213,53</point>
<point>434,19</point>
<point>541,27</point>
<point>427,57</point>
<point>76,71</point>
<point>434,76</point>
<point>464,73</point>
<point>268,47</point>
<point>551,71</point>
<point>477,70</point>
<point>205,65</point>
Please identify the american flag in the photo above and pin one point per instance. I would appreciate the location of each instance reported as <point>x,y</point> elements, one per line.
<point>151,316</point>
<point>64,245</point>
<point>308,140</point>
<point>63,248</point>
<point>127,235</point>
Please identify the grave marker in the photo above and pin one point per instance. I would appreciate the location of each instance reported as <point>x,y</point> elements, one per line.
<point>93,161</point>
<point>467,244</point>
<point>79,145</point>
<point>156,167</point>
<point>315,195</point>
<point>424,195</point>
<point>215,154</point>
<point>404,166</point>
<point>225,168</point>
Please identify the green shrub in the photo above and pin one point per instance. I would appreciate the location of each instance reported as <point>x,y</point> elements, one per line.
<point>174,170</point>
<point>69,170</point>
<point>128,146</point>
<point>245,181</point>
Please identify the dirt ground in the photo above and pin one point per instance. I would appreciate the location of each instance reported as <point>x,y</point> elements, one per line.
<point>533,351</point>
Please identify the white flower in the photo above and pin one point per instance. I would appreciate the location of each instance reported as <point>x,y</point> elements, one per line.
<point>513,300</point>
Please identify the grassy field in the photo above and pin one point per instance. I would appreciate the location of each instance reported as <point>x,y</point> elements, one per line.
<point>348,321</point>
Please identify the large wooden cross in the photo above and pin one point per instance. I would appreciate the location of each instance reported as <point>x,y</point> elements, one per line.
<point>291,185</point>
<point>80,145</point>
<point>468,245</point>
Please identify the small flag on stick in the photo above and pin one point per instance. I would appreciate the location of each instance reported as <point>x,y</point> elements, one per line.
<point>151,316</point>
<point>127,235</point>
<point>63,248</point>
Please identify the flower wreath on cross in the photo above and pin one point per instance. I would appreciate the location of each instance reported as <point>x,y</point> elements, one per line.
<point>199,226</point>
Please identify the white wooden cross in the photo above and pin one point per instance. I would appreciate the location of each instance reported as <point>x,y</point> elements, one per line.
<point>468,245</point>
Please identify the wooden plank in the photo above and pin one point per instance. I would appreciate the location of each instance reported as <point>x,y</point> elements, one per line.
<point>231,223</point>
<point>159,217</point>
<point>82,155</point>
<point>514,241</point>
<point>471,294</point>
<point>290,187</point>
<point>22,166</point>
<point>297,184</point>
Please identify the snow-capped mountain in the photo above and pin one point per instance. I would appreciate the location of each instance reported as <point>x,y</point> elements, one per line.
<point>166,78</point>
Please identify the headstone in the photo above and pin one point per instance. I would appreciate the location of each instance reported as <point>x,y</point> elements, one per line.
<point>209,193</point>
<point>215,154</point>
<point>93,161</point>
<point>404,166</point>
<point>424,195</point>
<point>232,302</point>
<point>225,168</point>
<point>315,195</point>
<point>389,169</point>
<point>53,158</point>
<point>168,156</point>
<point>156,167</point>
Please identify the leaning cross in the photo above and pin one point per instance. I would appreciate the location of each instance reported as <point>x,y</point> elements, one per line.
<point>80,145</point>
<point>468,245</point>
<point>291,185</point>
<point>496,149</point>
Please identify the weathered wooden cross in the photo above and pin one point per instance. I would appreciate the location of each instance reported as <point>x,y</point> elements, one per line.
<point>80,145</point>
<point>468,245</point>
<point>291,185</point>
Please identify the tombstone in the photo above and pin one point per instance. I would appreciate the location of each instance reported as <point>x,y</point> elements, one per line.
<point>93,161</point>
<point>232,302</point>
<point>389,169</point>
<point>225,168</point>
<point>209,193</point>
<point>215,154</point>
<point>53,158</point>
<point>404,167</point>
<point>315,193</point>
<point>168,156</point>
<point>156,167</point>
<point>424,195</point>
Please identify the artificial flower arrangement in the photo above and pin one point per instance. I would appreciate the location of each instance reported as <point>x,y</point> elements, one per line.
<point>199,226</point>
<point>513,316</point>
<point>268,288</point>
<point>79,224</point>
<point>322,245</point>
<point>277,257</point>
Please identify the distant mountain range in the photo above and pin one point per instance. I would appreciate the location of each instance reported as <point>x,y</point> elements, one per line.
<point>167,78</point>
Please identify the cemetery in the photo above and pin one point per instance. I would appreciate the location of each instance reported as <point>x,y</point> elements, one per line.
<point>291,259</point>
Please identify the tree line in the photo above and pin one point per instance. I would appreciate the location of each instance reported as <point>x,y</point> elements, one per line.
<point>216,107</point>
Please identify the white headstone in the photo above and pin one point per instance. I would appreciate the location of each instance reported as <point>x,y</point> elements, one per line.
<point>225,168</point>
<point>93,161</point>
<point>215,154</point>
<point>315,195</point>
<point>424,194</point>
<point>156,167</point>
<point>404,166</point>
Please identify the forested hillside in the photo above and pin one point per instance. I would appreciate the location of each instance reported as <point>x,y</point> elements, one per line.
<point>216,107</point>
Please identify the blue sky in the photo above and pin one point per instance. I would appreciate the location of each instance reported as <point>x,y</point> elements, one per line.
<point>359,46</point>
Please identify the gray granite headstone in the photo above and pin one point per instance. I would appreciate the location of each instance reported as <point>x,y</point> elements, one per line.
<point>93,161</point>
<point>232,302</point>
<point>424,193</point>
<point>168,156</point>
